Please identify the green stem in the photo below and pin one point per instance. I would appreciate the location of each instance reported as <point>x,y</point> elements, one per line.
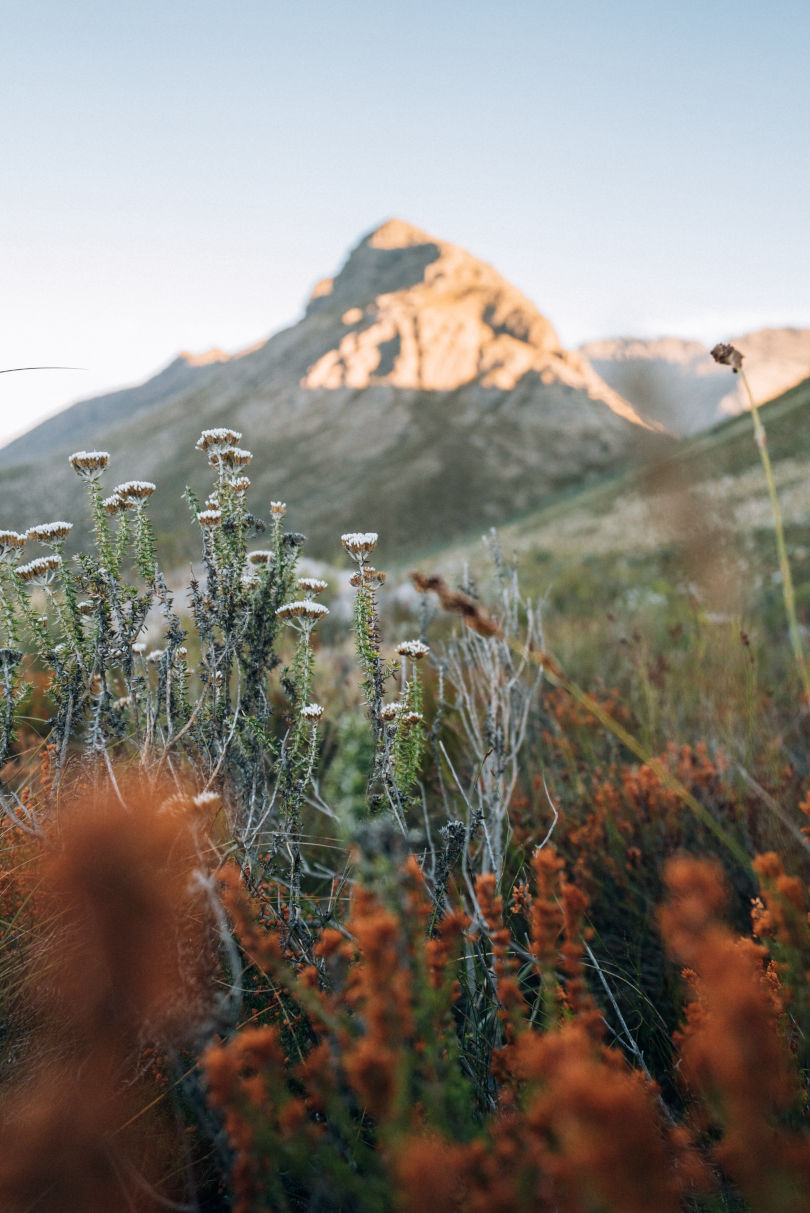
<point>788,593</point>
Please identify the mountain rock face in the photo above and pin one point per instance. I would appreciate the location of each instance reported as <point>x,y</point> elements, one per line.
<point>420,395</point>
<point>677,383</point>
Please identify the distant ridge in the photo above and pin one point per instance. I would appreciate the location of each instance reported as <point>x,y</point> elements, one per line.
<point>420,394</point>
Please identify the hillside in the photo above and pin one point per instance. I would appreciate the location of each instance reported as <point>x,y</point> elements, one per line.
<point>419,394</point>
<point>676,383</point>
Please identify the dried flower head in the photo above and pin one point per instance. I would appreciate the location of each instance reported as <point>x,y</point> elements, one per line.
<point>278,509</point>
<point>50,532</point>
<point>728,356</point>
<point>312,585</point>
<point>156,655</point>
<point>239,484</point>
<point>415,649</point>
<point>409,719</point>
<point>114,504</point>
<point>209,517</point>
<point>40,571</point>
<point>89,464</point>
<point>260,556</point>
<point>220,436</point>
<point>182,652</point>
<point>10,543</point>
<point>303,608</point>
<point>390,711</point>
<point>229,457</point>
<point>359,543</point>
<point>311,711</point>
<point>134,490</point>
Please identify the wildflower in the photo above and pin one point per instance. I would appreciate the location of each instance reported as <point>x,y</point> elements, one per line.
<point>304,608</point>
<point>239,484</point>
<point>311,711</point>
<point>209,517</point>
<point>260,556</point>
<point>134,490</point>
<point>221,436</point>
<point>278,509</point>
<point>114,504</point>
<point>312,585</point>
<point>230,457</point>
<point>728,356</point>
<point>50,532</point>
<point>40,571</point>
<point>414,649</point>
<point>359,543</point>
<point>409,719</point>
<point>390,711</point>
<point>89,464</point>
<point>84,607</point>
<point>10,542</point>
<point>182,652</point>
<point>138,648</point>
<point>155,656</point>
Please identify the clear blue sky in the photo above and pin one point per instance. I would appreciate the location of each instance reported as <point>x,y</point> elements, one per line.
<point>178,175</point>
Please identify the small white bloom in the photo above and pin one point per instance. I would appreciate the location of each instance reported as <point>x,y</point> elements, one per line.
<point>49,532</point>
<point>414,649</point>
<point>359,543</point>
<point>156,655</point>
<point>278,509</point>
<point>40,571</point>
<point>134,490</point>
<point>390,711</point>
<point>138,648</point>
<point>260,556</point>
<point>311,711</point>
<point>209,517</point>
<point>220,436</point>
<point>303,608</point>
<point>312,585</point>
<point>89,464</point>
<point>10,543</point>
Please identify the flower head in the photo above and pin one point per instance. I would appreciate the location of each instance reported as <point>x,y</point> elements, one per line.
<point>260,556</point>
<point>278,509</point>
<point>114,504</point>
<point>239,484</point>
<point>40,571</point>
<point>359,543</point>
<point>221,436</point>
<point>209,517</point>
<point>728,356</point>
<point>89,464</point>
<point>10,543</point>
<point>390,711</point>
<point>311,711</point>
<point>312,585</point>
<point>415,649</point>
<point>304,608</point>
<point>50,532</point>
<point>229,457</point>
<point>134,490</point>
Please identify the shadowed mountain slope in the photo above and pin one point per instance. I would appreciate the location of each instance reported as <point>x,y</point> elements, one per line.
<point>420,394</point>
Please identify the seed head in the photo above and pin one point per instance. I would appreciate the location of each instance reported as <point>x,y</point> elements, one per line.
<point>229,457</point>
<point>260,556</point>
<point>390,711</point>
<point>311,711</point>
<point>239,484</point>
<point>155,656</point>
<point>221,436</point>
<point>40,571</point>
<point>114,504</point>
<point>728,356</point>
<point>278,509</point>
<point>89,464</point>
<point>409,719</point>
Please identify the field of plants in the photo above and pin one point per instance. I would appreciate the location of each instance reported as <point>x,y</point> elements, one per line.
<point>496,905</point>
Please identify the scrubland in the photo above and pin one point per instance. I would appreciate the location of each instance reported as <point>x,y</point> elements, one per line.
<point>500,905</point>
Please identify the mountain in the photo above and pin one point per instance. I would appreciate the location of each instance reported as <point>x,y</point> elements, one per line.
<point>677,384</point>
<point>420,395</point>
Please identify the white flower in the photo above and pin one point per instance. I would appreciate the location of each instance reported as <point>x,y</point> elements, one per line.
<point>114,504</point>
<point>303,608</point>
<point>278,509</point>
<point>312,585</point>
<point>209,517</point>
<point>221,436</point>
<point>156,655</point>
<point>10,542</point>
<point>260,556</point>
<point>230,457</point>
<point>89,464</point>
<point>414,649</point>
<point>50,532</point>
<point>41,571</point>
<point>311,711</point>
<point>390,711</point>
<point>138,648</point>
<point>239,484</point>
<point>205,798</point>
<point>134,490</point>
<point>359,543</point>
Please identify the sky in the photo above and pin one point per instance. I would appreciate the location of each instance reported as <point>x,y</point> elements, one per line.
<point>177,176</point>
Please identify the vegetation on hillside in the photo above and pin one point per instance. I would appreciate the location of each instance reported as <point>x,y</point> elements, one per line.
<point>431,909</point>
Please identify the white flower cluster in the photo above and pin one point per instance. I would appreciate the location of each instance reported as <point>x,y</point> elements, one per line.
<point>390,711</point>
<point>50,532</point>
<point>312,585</point>
<point>414,649</point>
<point>10,542</point>
<point>260,556</point>
<point>359,543</point>
<point>89,464</point>
<point>209,517</point>
<point>229,457</point>
<point>311,711</point>
<point>40,570</point>
<point>278,509</point>
<point>134,490</point>
<point>304,608</point>
<point>220,436</point>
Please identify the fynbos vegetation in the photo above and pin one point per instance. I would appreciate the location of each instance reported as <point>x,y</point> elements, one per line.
<point>445,934</point>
